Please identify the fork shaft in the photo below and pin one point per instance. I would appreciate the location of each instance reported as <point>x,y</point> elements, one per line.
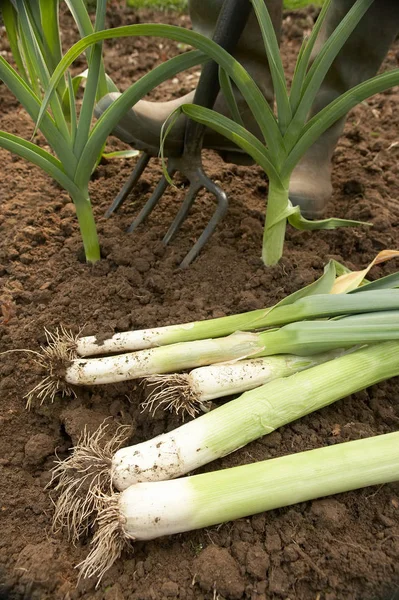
<point>231,22</point>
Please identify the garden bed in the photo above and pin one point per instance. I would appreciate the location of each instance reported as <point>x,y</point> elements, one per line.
<point>346,547</point>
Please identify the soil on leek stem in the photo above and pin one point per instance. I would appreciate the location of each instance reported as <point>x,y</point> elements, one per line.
<point>342,548</point>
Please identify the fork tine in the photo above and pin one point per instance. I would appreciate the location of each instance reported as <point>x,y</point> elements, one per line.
<point>182,214</point>
<point>221,209</point>
<point>130,183</point>
<point>152,201</point>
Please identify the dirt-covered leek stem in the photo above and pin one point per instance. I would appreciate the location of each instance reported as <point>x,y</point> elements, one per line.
<point>191,392</point>
<point>319,305</point>
<point>128,341</point>
<point>150,510</point>
<point>227,428</point>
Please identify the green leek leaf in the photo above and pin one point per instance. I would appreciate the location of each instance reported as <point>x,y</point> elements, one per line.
<point>304,57</point>
<point>299,222</point>
<point>39,157</point>
<point>275,64</point>
<point>248,88</point>
<point>321,65</point>
<point>10,20</point>
<point>235,133</point>
<point>228,93</point>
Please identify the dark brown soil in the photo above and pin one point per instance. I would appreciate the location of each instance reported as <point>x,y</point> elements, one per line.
<point>346,547</point>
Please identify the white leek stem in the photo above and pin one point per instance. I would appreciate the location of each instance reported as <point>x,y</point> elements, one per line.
<point>225,379</point>
<point>127,341</point>
<point>308,307</point>
<point>176,357</point>
<point>189,392</point>
<point>151,510</point>
<point>252,415</point>
<point>302,338</point>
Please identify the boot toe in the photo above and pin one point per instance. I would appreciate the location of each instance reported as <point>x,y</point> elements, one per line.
<point>141,125</point>
<point>310,189</point>
<point>105,102</point>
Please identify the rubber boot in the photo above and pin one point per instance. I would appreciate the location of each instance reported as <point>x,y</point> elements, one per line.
<point>141,126</point>
<point>359,59</point>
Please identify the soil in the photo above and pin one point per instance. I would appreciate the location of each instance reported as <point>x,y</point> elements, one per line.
<point>345,547</point>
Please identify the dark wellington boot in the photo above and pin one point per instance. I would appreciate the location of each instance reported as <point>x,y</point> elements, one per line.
<point>359,59</point>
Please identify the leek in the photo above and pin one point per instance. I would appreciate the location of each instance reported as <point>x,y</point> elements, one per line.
<point>254,414</point>
<point>286,137</point>
<point>149,510</point>
<point>302,338</point>
<point>192,392</point>
<point>309,303</point>
<point>328,283</point>
<point>127,341</point>
<point>76,146</point>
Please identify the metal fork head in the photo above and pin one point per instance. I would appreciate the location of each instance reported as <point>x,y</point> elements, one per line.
<point>191,168</point>
<point>230,24</point>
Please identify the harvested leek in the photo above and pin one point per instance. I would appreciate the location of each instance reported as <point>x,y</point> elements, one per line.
<point>313,305</point>
<point>149,510</point>
<point>328,283</point>
<point>191,392</point>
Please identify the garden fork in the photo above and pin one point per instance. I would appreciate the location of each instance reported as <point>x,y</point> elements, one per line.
<point>231,23</point>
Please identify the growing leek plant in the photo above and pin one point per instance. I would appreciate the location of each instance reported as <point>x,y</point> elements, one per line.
<point>35,41</point>
<point>286,135</point>
<point>75,147</point>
